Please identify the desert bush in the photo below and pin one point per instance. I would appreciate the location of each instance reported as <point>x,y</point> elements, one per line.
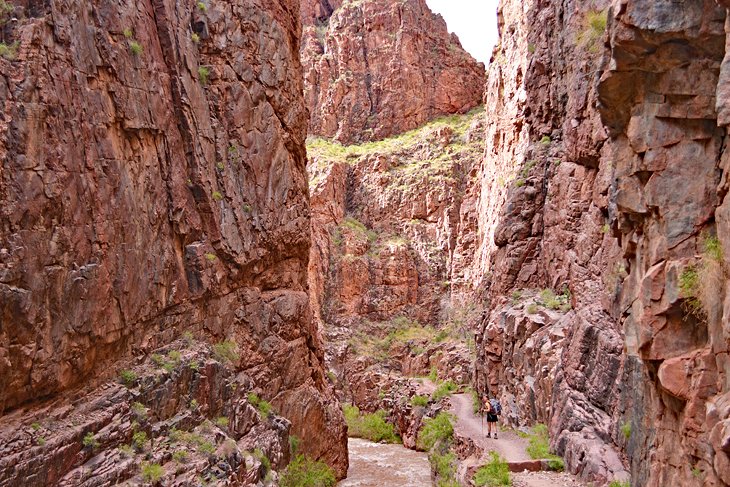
<point>152,472</point>
<point>371,426</point>
<point>304,472</point>
<point>438,429</point>
<point>226,351</point>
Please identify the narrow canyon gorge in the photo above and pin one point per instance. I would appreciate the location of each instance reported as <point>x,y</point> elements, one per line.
<point>299,242</point>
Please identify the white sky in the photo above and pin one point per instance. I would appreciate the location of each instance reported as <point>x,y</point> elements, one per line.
<point>474,21</point>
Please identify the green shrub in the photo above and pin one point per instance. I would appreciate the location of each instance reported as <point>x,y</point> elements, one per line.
<point>194,404</point>
<point>139,410</point>
<point>441,336</point>
<point>126,451</point>
<point>546,140</point>
<point>128,377</point>
<point>493,474</point>
<point>194,365</point>
<point>158,359</point>
<point>303,472</point>
<point>264,407</point>
<point>35,426</point>
<point>594,26</point>
<point>444,389</point>
<point>226,351</point>
<point>152,472</point>
<point>206,447</point>
<point>618,483</point>
<point>174,356</point>
<point>128,33</point>
<point>294,442</point>
<point>421,401</point>
<point>532,308</point>
<point>41,440</point>
<point>202,6</point>
<point>217,195</point>
<point>439,429</point>
<point>203,75</point>
<point>135,48</point>
<point>443,465</point>
<point>180,456</point>
<point>195,38</point>
<point>222,422</point>
<point>90,441</point>
<point>261,456</point>
<point>701,285</point>
<point>139,439</point>
<point>9,52</point>
<point>626,430</point>
<point>371,426</point>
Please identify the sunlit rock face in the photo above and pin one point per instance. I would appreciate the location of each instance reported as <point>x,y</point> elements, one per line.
<point>376,68</point>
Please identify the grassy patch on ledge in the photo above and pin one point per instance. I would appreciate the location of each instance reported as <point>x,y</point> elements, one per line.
<point>334,151</point>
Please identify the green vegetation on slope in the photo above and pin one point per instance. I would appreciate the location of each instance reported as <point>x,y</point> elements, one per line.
<point>414,164</point>
<point>493,474</point>
<point>539,447</point>
<point>371,426</point>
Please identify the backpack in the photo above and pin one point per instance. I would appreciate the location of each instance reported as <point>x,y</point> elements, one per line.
<point>496,406</point>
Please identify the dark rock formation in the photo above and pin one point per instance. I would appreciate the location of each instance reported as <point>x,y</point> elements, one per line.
<point>153,181</point>
<point>609,132</point>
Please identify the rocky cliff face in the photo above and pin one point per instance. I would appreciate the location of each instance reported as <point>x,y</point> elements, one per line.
<point>605,246</point>
<point>152,182</point>
<point>376,68</point>
<point>387,261</point>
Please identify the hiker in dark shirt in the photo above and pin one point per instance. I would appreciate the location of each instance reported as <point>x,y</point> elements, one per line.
<point>493,409</point>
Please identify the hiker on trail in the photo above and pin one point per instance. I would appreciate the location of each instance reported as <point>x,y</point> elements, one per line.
<point>493,409</point>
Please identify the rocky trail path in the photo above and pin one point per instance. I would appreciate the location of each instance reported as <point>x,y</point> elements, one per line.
<point>509,445</point>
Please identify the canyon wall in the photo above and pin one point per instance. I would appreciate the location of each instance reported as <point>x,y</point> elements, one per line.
<point>376,68</point>
<point>393,218</point>
<point>603,216</point>
<point>153,182</point>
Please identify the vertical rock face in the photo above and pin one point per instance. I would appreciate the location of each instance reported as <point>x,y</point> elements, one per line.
<point>609,132</point>
<point>376,68</point>
<point>153,181</point>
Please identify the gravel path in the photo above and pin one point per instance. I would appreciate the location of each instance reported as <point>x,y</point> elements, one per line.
<point>509,445</point>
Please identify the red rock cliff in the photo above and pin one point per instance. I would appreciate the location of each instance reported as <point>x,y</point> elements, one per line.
<point>603,210</point>
<point>153,181</point>
<point>376,68</point>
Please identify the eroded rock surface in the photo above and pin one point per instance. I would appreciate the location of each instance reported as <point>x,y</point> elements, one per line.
<point>614,201</point>
<point>376,68</point>
<point>153,181</point>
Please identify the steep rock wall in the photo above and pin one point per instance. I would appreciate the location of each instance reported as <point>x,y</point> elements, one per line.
<point>615,197</point>
<point>153,181</point>
<point>376,68</point>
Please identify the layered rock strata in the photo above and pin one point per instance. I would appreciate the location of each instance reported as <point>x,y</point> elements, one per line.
<point>153,181</point>
<point>377,68</point>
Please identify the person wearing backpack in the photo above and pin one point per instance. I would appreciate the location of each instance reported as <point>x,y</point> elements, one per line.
<point>493,410</point>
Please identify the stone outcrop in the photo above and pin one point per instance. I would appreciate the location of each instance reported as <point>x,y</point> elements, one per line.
<point>187,413</point>
<point>376,68</point>
<point>607,131</point>
<point>153,181</point>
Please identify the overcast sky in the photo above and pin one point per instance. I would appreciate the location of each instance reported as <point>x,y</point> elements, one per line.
<point>474,21</point>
